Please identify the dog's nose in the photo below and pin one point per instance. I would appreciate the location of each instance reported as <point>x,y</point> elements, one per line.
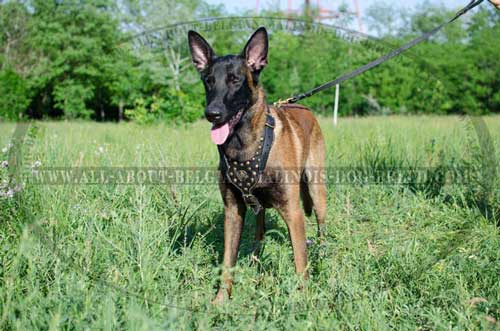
<point>213,114</point>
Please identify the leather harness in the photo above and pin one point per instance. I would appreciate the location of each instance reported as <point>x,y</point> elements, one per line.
<point>245,175</point>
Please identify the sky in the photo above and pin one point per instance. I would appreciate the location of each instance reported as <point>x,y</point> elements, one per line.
<point>237,7</point>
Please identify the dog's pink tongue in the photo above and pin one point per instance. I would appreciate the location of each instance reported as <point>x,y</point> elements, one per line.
<point>220,134</point>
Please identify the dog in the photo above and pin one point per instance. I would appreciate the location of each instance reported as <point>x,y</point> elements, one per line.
<point>242,123</point>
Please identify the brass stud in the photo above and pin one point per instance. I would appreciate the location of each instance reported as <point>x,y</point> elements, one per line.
<point>261,138</point>
<point>248,162</point>
<point>249,168</point>
<point>256,166</point>
<point>235,163</point>
<point>253,159</point>
<point>254,173</point>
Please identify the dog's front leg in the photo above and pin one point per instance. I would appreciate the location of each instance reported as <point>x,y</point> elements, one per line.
<point>234,216</point>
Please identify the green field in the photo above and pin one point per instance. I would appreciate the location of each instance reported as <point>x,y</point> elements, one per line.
<point>404,257</point>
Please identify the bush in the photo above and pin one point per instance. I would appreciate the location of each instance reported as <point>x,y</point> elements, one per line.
<point>15,99</point>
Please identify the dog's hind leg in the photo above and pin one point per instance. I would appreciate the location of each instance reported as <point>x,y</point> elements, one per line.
<point>314,172</point>
<point>307,202</point>
<point>318,194</point>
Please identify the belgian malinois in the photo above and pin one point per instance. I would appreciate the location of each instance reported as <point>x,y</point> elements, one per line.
<point>236,106</point>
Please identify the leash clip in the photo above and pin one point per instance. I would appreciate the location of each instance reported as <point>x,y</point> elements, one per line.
<point>281,102</point>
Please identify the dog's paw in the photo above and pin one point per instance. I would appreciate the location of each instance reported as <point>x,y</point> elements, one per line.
<point>220,298</point>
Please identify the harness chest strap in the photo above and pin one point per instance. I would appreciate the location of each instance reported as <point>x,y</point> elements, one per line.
<point>245,175</point>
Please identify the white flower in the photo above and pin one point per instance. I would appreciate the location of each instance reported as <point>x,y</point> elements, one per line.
<point>35,166</point>
<point>4,164</point>
<point>10,193</point>
<point>7,148</point>
<point>19,187</point>
<point>100,150</point>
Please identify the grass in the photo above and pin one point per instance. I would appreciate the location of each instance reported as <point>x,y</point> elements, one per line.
<point>147,256</point>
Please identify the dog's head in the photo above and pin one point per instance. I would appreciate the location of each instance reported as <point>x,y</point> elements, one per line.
<point>230,81</point>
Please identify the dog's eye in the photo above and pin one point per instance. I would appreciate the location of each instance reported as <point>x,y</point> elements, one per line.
<point>232,79</point>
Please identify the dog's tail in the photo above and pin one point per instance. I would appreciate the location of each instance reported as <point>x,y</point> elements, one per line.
<point>306,197</point>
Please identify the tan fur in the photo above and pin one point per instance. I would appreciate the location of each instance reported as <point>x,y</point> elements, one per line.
<point>298,146</point>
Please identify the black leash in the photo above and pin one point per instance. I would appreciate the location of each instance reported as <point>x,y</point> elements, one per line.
<point>380,60</point>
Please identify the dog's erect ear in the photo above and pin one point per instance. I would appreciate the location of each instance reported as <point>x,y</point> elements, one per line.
<point>201,52</point>
<point>255,51</point>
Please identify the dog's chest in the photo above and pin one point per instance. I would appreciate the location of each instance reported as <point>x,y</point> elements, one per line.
<point>270,196</point>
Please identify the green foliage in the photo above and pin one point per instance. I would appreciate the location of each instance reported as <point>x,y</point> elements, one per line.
<point>172,106</point>
<point>14,97</point>
<point>72,97</point>
<point>181,107</point>
<point>142,114</point>
<point>76,60</point>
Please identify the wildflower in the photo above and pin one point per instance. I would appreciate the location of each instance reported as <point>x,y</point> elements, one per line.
<point>4,164</point>
<point>10,193</point>
<point>19,187</point>
<point>7,148</point>
<point>35,166</point>
<point>100,150</point>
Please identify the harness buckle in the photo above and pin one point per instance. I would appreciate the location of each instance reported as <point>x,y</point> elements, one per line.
<point>252,202</point>
<point>250,199</point>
